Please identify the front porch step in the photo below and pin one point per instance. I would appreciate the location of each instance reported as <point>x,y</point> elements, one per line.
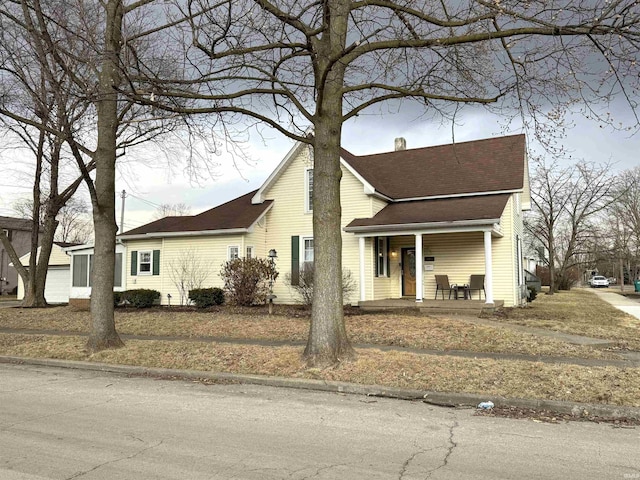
<point>430,306</point>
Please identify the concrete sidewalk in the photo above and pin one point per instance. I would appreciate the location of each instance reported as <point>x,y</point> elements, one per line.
<point>10,303</point>
<point>627,305</point>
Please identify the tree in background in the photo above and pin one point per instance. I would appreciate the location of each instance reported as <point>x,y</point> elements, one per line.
<point>172,210</point>
<point>74,219</point>
<point>567,207</point>
<point>624,225</point>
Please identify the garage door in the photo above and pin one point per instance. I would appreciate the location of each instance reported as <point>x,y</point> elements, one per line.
<point>56,289</point>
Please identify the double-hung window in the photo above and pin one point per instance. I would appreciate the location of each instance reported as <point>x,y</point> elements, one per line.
<point>308,250</point>
<point>249,253</point>
<point>234,252</point>
<point>308,184</point>
<point>144,262</point>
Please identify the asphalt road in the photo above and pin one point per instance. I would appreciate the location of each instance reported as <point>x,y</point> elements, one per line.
<point>67,424</point>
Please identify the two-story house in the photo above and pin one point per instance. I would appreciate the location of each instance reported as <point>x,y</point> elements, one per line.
<point>407,216</point>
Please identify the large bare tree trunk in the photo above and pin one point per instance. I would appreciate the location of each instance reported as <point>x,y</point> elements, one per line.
<point>328,343</point>
<point>103,333</point>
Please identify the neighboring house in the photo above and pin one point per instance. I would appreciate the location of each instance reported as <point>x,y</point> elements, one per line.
<point>56,289</point>
<point>407,215</point>
<point>18,230</point>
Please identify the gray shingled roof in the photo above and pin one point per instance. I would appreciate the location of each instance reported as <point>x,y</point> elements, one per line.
<point>236,214</point>
<point>443,210</point>
<point>493,164</point>
<point>480,166</point>
<point>11,223</point>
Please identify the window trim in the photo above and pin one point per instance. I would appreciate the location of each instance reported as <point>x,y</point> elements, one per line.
<point>229,247</point>
<point>303,244</point>
<point>85,278</point>
<point>122,269</point>
<point>308,199</point>
<point>382,255</point>
<point>140,262</point>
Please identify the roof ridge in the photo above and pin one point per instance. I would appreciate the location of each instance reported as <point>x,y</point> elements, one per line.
<point>442,145</point>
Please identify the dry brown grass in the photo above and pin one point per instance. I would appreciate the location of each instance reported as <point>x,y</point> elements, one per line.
<point>611,385</point>
<point>579,312</point>
<point>379,329</point>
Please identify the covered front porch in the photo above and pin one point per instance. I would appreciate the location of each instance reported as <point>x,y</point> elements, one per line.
<point>407,267</point>
<point>411,250</point>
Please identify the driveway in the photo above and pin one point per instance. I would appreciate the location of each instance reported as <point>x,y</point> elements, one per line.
<point>73,424</point>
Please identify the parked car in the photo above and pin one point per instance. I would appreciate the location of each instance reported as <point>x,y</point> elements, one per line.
<point>598,281</point>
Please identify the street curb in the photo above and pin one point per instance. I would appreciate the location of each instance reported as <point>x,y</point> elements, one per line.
<point>444,399</point>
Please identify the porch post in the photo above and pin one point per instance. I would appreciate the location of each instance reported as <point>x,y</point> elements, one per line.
<point>488,269</point>
<point>419,267</point>
<point>363,289</point>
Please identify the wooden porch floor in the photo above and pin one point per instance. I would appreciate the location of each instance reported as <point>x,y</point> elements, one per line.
<point>461,307</point>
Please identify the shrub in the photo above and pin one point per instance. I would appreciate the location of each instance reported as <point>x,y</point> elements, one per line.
<point>117,298</point>
<point>533,293</point>
<point>141,297</point>
<point>246,280</point>
<point>206,297</point>
<point>304,289</point>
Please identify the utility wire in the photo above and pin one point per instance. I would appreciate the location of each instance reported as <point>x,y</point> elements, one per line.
<point>144,200</point>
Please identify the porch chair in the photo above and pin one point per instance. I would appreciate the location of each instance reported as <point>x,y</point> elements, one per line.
<point>442,284</point>
<point>476,282</point>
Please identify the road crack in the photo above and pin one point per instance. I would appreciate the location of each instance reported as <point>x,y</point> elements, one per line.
<point>450,448</point>
<point>408,461</point>
<point>115,460</point>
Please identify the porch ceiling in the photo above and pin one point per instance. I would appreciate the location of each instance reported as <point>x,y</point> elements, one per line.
<point>480,210</point>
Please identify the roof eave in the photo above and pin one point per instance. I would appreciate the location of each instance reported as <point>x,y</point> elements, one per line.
<point>459,195</point>
<point>260,217</point>
<point>194,233</point>
<point>401,227</point>
<point>367,187</point>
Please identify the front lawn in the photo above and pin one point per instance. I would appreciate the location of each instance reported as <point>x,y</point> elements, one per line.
<point>292,324</point>
<point>576,312</point>
<point>580,312</point>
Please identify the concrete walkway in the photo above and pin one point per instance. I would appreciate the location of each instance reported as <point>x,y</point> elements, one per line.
<point>627,305</point>
<point>629,359</point>
<point>10,303</point>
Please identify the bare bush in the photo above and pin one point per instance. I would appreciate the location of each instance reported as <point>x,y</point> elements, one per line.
<point>304,288</point>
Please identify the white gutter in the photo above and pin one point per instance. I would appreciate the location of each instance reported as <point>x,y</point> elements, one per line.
<point>410,227</point>
<point>458,195</point>
<point>197,233</point>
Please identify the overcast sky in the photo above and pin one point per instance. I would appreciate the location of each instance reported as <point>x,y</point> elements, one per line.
<point>152,183</point>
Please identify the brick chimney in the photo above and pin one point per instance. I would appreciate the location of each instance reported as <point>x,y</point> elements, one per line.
<point>400,144</point>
